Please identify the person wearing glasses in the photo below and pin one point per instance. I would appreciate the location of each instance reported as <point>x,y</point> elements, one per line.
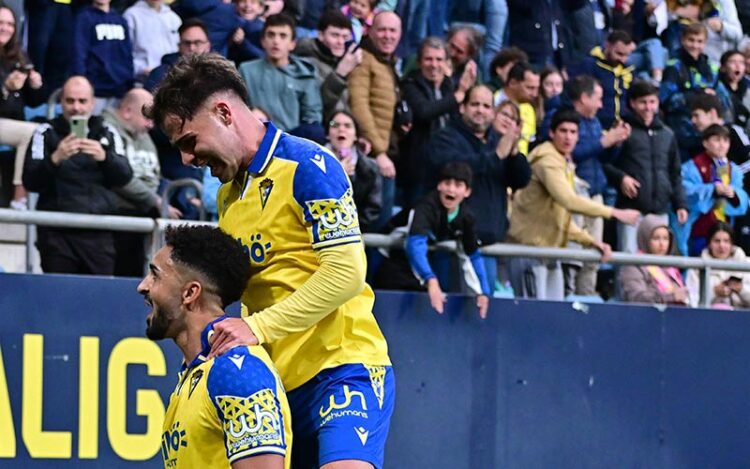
<point>193,40</point>
<point>362,171</point>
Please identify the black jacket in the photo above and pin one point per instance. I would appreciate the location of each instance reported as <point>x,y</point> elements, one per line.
<point>426,113</point>
<point>530,28</point>
<point>368,191</point>
<point>492,176</point>
<point>649,155</point>
<point>13,102</point>
<point>79,184</point>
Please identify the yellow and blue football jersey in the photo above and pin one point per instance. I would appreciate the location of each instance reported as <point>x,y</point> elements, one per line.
<point>225,409</point>
<point>294,199</point>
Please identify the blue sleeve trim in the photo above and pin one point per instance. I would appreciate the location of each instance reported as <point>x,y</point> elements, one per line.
<point>477,261</point>
<point>416,252</point>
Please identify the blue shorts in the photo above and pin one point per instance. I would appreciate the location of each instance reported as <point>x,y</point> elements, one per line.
<point>342,413</point>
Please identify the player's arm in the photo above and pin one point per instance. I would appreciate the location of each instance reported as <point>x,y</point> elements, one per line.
<point>264,461</point>
<point>329,213</point>
<point>245,394</point>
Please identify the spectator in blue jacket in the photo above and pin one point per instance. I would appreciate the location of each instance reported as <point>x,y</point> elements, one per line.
<point>102,52</point>
<point>713,186</point>
<point>193,40</point>
<point>686,75</point>
<point>440,216</point>
<point>609,69</point>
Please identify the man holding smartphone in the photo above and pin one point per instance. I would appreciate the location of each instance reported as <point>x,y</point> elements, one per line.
<point>73,162</point>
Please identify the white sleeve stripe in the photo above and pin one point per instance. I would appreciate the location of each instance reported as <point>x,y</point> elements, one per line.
<point>37,142</point>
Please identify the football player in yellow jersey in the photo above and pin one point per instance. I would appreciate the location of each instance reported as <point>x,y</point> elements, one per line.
<point>228,411</point>
<point>289,202</point>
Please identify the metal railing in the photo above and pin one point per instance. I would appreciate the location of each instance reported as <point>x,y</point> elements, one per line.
<point>156,227</point>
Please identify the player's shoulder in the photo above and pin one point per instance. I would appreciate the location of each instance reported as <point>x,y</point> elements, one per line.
<point>309,156</point>
<point>241,371</point>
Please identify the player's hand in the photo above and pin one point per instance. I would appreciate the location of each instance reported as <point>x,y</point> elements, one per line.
<point>629,186</point>
<point>93,149</point>
<point>682,216</point>
<point>386,166</point>
<point>483,303</point>
<point>437,297</point>
<point>230,333</point>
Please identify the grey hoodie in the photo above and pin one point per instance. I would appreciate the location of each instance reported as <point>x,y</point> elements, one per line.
<point>139,195</point>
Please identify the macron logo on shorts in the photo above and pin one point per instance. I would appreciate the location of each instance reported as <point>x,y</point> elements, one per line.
<point>362,434</point>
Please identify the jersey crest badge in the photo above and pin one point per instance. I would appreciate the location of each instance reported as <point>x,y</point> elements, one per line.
<point>194,381</point>
<point>265,187</point>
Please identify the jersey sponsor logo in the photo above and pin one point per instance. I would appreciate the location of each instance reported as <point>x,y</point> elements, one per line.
<point>171,442</point>
<point>334,218</point>
<point>336,410</point>
<point>265,187</point>
<point>257,249</point>
<point>251,422</point>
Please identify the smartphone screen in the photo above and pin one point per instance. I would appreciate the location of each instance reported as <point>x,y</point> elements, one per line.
<point>79,126</point>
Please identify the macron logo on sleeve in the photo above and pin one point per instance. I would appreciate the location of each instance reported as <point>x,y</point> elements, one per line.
<point>237,360</point>
<point>319,161</point>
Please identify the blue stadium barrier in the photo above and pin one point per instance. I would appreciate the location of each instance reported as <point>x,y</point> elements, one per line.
<point>536,385</point>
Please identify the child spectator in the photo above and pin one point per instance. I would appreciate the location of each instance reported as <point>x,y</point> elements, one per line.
<point>102,52</point>
<point>686,75</point>
<point>245,44</point>
<point>727,288</point>
<point>650,283</point>
<point>153,29</point>
<point>439,216</point>
<point>713,186</point>
<point>362,171</point>
<point>734,88</point>
<point>550,92</point>
<point>361,13</point>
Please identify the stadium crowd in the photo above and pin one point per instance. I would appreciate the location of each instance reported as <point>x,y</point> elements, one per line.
<point>557,123</point>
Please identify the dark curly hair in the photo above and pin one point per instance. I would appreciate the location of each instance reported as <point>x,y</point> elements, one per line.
<point>190,82</point>
<point>213,253</point>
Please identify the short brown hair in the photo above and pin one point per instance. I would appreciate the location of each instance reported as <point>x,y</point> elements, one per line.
<point>694,29</point>
<point>190,82</point>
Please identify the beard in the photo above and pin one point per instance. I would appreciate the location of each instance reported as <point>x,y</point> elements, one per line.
<point>157,325</point>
